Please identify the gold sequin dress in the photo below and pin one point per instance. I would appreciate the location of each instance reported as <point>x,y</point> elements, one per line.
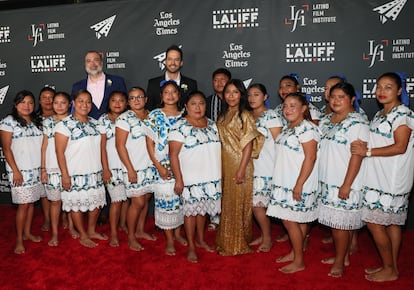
<point>235,230</point>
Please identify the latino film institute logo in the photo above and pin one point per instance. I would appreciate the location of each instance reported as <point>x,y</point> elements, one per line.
<point>375,52</point>
<point>236,18</point>
<point>320,13</point>
<point>44,31</point>
<point>390,10</point>
<point>160,58</point>
<point>103,27</point>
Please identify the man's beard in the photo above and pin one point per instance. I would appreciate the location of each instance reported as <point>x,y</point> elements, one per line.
<point>95,71</point>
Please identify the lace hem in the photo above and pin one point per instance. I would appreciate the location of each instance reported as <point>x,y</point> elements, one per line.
<point>295,216</point>
<point>379,217</point>
<point>261,201</point>
<point>211,207</point>
<point>168,221</point>
<point>117,192</point>
<point>26,194</point>
<point>85,200</point>
<point>53,194</point>
<point>135,192</point>
<point>339,218</point>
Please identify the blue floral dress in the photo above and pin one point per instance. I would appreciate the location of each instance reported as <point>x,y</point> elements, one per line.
<point>138,155</point>
<point>116,187</point>
<point>388,180</point>
<point>200,163</point>
<point>334,156</point>
<point>26,146</point>
<point>289,159</point>
<point>168,212</point>
<point>264,165</point>
<point>83,160</point>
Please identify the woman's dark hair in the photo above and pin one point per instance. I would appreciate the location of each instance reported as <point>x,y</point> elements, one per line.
<point>346,87</point>
<point>117,93</point>
<point>302,99</point>
<point>258,86</point>
<point>292,77</point>
<point>35,118</point>
<point>190,96</point>
<point>163,85</point>
<point>80,92</point>
<point>39,110</point>
<point>137,88</point>
<point>244,104</point>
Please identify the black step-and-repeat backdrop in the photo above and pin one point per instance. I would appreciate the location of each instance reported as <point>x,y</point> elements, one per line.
<point>258,41</point>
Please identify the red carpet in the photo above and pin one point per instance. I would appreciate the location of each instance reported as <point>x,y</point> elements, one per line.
<point>71,266</point>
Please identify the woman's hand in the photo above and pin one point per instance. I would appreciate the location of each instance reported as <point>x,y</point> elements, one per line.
<point>164,173</point>
<point>66,183</point>
<point>106,175</point>
<point>358,147</point>
<point>344,191</point>
<point>297,192</point>
<point>240,176</point>
<point>178,186</point>
<point>17,178</point>
<point>43,176</point>
<point>132,176</point>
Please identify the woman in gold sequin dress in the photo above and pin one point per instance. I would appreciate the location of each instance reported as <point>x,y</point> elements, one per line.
<point>240,143</point>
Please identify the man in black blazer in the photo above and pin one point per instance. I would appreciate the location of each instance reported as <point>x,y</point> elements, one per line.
<point>215,101</point>
<point>173,64</point>
<point>99,84</point>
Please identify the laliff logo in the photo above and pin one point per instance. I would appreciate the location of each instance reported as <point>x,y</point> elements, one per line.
<point>369,87</point>
<point>376,52</point>
<point>3,93</point>
<point>297,16</point>
<point>36,34</point>
<point>390,10</point>
<point>310,52</point>
<point>236,56</point>
<point>166,24</point>
<point>48,63</point>
<point>102,28</point>
<point>4,34</point>
<point>3,66</point>
<point>236,18</point>
<point>161,58</point>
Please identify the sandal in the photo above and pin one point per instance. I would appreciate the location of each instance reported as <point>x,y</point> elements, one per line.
<point>212,227</point>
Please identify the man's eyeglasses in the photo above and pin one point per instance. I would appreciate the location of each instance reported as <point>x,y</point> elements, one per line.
<point>135,98</point>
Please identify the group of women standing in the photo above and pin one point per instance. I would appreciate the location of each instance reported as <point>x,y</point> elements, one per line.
<point>295,163</point>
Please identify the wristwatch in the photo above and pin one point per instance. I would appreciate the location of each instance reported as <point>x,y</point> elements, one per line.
<point>368,154</point>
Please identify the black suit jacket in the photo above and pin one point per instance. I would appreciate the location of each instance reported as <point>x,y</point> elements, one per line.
<point>187,85</point>
<point>209,101</point>
<point>112,83</point>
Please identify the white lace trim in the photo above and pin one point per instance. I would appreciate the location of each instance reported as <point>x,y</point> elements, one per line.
<point>295,216</point>
<point>379,217</point>
<point>339,218</point>
<point>168,220</point>
<point>211,207</point>
<point>117,192</point>
<point>53,194</point>
<point>135,192</point>
<point>261,201</point>
<point>83,200</point>
<point>26,194</point>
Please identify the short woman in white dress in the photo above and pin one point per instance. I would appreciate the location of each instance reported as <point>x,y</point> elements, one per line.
<point>195,156</point>
<point>295,178</point>
<point>168,208</point>
<point>51,176</point>
<point>269,125</point>
<point>340,177</point>
<point>388,173</point>
<point>78,152</point>
<point>112,175</point>
<point>21,138</point>
<point>137,168</point>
